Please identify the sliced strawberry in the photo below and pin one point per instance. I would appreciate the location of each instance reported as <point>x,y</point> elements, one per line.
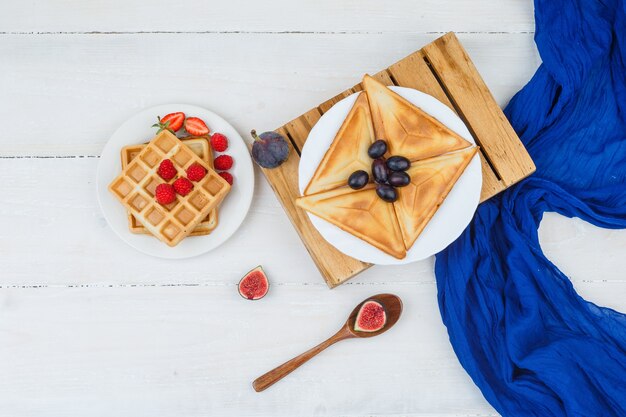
<point>172,122</point>
<point>196,127</point>
<point>176,120</point>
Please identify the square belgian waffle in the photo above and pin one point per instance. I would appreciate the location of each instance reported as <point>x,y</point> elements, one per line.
<point>135,187</point>
<point>200,145</point>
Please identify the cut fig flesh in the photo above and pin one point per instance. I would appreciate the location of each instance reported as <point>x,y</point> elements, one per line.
<point>254,284</point>
<point>371,317</point>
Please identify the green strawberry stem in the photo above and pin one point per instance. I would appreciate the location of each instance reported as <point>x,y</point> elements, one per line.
<point>162,126</point>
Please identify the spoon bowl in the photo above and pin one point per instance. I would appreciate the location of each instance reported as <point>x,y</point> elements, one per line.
<point>393,308</point>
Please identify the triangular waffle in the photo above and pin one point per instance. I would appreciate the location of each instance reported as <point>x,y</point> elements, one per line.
<point>431,181</point>
<point>408,130</point>
<point>348,151</point>
<point>361,213</point>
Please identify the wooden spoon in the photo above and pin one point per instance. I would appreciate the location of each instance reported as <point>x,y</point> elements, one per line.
<point>393,309</point>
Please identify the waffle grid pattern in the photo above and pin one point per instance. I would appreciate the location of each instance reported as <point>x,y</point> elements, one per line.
<point>199,145</point>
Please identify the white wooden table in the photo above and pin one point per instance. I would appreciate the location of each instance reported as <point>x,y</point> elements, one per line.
<point>90,327</point>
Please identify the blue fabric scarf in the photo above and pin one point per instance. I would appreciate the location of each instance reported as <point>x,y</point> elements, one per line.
<point>532,345</point>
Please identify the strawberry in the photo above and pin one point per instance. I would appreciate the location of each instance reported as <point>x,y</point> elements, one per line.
<point>165,194</point>
<point>223,162</point>
<point>196,127</point>
<point>166,170</point>
<point>196,172</point>
<point>226,176</point>
<point>172,122</point>
<point>219,142</point>
<point>183,186</point>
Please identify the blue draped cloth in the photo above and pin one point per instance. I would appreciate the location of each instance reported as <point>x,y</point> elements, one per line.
<point>532,345</point>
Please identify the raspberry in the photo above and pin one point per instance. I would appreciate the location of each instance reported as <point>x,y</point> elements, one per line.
<point>226,176</point>
<point>164,194</point>
<point>223,162</point>
<point>196,172</point>
<point>183,186</point>
<point>219,142</point>
<point>166,170</point>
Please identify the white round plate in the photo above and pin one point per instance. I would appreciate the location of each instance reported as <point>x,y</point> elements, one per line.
<point>232,211</point>
<point>448,222</point>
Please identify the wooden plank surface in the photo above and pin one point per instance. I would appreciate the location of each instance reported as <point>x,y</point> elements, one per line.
<point>166,351</point>
<point>236,16</point>
<point>103,79</point>
<point>91,328</point>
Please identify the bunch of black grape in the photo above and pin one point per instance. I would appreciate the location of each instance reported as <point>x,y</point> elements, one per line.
<point>388,174</point>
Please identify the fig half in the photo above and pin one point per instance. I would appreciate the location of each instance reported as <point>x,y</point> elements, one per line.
<point>371,317</point>
<point>254,285</point>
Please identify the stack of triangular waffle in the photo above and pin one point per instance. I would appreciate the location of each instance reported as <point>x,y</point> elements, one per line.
<point>438,158</point>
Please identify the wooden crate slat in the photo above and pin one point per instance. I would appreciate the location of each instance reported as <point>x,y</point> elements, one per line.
<point>443,70</point>
<point>357,88</point>
<point>299,128</point>
<point>414,72</point>
<point>475,104</point>
<point>492,185</point>
<point>383,77</point>
<point>330,103</point>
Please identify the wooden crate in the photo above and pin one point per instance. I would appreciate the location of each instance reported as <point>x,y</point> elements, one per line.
<point>444,70</point>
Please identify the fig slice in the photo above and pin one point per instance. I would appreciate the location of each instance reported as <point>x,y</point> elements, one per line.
<point>254,285</point>
<point>371,317</point>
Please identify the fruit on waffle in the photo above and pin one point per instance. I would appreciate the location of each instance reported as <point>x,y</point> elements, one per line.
<point>200,146</point>
<point>385,191</point>
<point>135,188</point>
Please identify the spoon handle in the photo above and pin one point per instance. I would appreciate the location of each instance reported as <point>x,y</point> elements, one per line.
<point>270,378</point>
